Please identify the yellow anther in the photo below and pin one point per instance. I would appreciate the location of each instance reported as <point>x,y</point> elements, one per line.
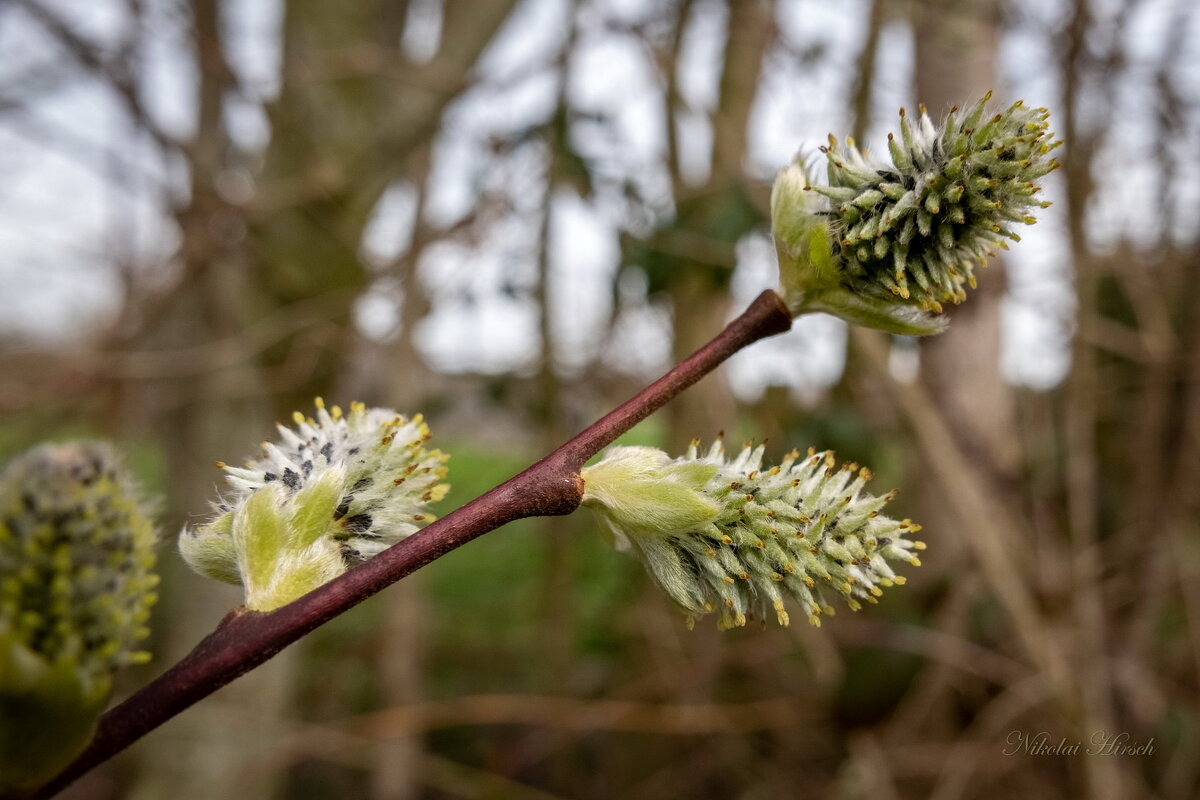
<point>319,402</point>
<point>899,580</point>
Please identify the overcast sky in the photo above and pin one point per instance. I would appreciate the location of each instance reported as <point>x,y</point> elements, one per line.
<point>82,186</point>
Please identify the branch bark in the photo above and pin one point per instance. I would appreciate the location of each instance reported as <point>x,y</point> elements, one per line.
<point>553,486</point>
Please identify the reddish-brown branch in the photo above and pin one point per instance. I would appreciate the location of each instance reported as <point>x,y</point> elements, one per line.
<point>550,487</point>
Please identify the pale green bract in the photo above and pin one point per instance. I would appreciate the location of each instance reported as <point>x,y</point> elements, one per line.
<point>335,491</point>
<point>885,245</point>
<point>76,587</point>
<point>727,536</point>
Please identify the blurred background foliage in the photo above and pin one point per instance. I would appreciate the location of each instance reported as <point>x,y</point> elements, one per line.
<point>509,214</point>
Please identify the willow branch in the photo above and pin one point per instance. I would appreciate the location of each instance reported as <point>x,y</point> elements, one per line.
<point>552,486</point>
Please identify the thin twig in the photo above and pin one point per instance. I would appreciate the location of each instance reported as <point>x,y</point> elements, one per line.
<point>245,639</point>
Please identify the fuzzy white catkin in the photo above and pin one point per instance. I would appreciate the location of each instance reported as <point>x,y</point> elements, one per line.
<point>334,491</point>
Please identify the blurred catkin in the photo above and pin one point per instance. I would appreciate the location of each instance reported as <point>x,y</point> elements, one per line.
<point>76,587</point>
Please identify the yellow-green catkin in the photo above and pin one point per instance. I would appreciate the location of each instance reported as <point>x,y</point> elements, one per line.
<point>744,538</point>
<point>76,587</point>
<point>886,245</point>
<point>335,490</point>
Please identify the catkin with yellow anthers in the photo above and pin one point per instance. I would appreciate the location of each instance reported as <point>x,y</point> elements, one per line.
<point>720,533</point>
<point>335,490</point>
<point>886,245</point>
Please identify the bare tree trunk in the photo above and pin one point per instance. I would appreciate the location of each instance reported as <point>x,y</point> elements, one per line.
<point>700,298</point>
<point>208,415</point>
<point>1105,779</point>
<point>956,52</point>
